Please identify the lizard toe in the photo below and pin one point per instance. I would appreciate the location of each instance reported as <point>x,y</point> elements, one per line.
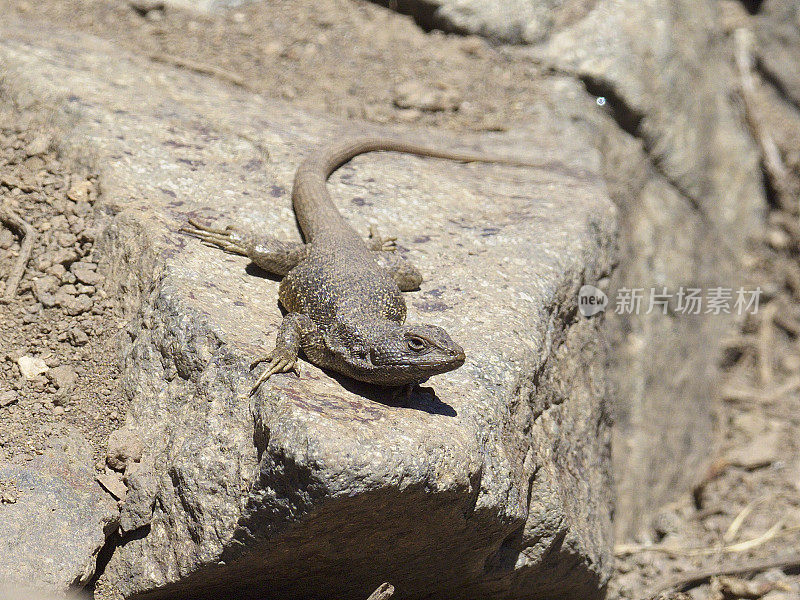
<point>207,228</point>
<point>260,359</point>
<point>277,364</point>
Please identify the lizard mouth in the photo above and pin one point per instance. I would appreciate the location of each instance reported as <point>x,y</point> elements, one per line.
<point>402,372</point>
<point>440,362</point>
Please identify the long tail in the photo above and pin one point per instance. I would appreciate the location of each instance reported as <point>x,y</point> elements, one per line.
<point>316,212</point>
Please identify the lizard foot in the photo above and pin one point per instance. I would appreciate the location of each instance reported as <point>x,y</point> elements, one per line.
<point>278,363</point>
<point>379,243</point>
<point>228,239</point>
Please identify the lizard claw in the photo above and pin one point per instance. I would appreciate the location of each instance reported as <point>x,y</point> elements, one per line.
<point>197,225</point>
<point>378,242</point>
<point>228,239</point>
<point>277,364</point>
<point>389,244</point>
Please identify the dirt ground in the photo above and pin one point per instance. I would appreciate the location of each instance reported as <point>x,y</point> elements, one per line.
<point>57,335</point>
<point>354,59</point>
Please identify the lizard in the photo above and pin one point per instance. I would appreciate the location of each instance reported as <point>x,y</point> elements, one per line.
<point>342,295</point>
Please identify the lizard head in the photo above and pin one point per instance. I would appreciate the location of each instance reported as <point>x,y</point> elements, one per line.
<point>411,354</point>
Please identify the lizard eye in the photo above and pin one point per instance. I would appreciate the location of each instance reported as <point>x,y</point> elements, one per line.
<point>416,344</point>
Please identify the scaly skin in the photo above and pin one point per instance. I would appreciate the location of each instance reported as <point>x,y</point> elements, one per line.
<point>343,296</point>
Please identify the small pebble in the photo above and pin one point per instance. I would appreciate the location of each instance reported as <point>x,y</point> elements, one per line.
<point>112,483</point>
<point>82,209</point>
<point>64,256</point>
<point>79,305</point>
<point>56,270</point>
<point>7,398</point>
<point>65,239</point>
<point>77,337</point>
<point>6,239</point>
<point>31,367</point>
<point>86,273</point>
<point>778,239</point>
<point>80,191</point>
<point>63,377</point>
<point>43,288</point>
<point>77,226</point>
<point>39,145</point>
<point>124,447</point>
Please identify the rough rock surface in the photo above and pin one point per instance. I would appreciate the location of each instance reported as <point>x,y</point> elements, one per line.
<point>54,518</point>
<point>510,21</point>
<point>493,482</point>
<point>778,34</point>
<point>677,157</point>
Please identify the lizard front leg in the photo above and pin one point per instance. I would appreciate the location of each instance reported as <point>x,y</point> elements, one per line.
<point>271,254</point>
<point>296,330</point>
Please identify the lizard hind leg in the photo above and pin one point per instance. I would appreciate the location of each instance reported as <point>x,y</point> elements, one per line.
<point>405,275</point>
<point>379,243</point>
<point>271,254</point>
<point>227,239</point>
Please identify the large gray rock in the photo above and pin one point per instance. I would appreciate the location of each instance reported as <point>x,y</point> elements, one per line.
<point>685,173</point>
<point>778,32</point>
<point>776,100</point>
<point>494,482</point>
<point>54,519</point>
<point>664,366</point>
<point>666,73</point>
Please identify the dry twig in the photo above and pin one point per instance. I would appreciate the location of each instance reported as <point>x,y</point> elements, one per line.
<point>199,67</point>
<point>766,343</point>
<point>759,396</point>
<point>692,579</point>
<point>17,223</point>
<point>384,591</point>
<point>736,524</point>
<point>773,532</point>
